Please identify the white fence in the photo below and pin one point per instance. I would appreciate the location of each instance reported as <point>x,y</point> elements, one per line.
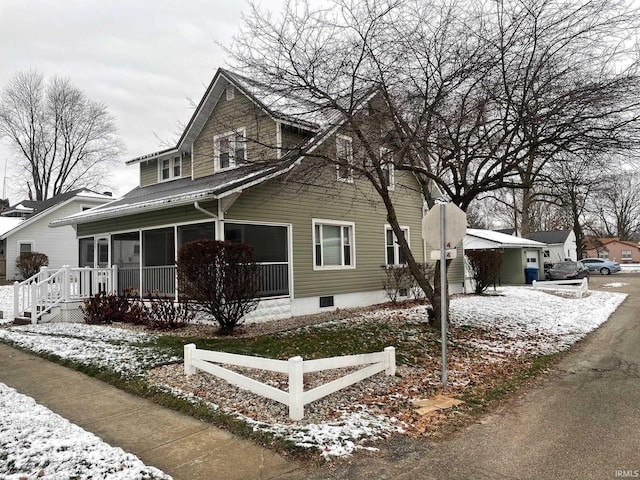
<point>296,398</point>
<point>578,286</point>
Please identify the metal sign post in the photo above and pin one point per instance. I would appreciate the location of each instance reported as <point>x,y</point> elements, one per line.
<point>443,227</point>
<point>443,294</point>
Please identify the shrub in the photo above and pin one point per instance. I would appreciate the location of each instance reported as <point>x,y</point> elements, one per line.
<point>165,314</point>
<point>220,279</point>
<point>105,308</point>
<point>399,280</point>
<point>485,265</point>
<point>29,263</point>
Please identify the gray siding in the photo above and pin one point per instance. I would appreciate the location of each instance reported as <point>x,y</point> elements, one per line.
<point>148,173</point>
<point>286,203</point>
<point>229,115</point>
<point>169,216</point>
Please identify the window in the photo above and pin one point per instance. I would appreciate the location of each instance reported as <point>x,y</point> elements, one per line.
<point>270,243</point>
<point>230,91</point>
<point>626,254</point>
<point>603,254</point>
<point>170,168</point>
<point>25,247</point>
<point>333,244</point>
<point>196,231</point>
<point>386,164</point>
<point>344,158</point>
<point>393,252</point>
<point>230,149</point>
<point>547,254</point>
<point>158,248</point>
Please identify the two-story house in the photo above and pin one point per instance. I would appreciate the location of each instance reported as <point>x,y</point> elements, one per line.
<point>237,173</point>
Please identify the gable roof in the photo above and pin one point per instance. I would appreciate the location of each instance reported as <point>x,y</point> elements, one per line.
<point>279,105</point>
<point>49,206</point>
<point>551,236</point>
<point>476,239</point>
<point>36,206</point>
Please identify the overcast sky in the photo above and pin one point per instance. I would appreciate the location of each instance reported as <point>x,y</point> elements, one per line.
<point>142,58</point>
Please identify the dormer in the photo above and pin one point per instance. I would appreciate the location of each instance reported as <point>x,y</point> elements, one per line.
<point>163,166</point>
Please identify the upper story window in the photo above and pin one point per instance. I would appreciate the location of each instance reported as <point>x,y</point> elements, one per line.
<point>230,149</point>
<point>333,245</point>
<point>393,252</point>
<point>344,158</point>
<point>230,91</point>
<point>387,166</point>
<point>170,168</point>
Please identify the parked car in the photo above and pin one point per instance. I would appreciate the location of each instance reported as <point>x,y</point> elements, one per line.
<point>601,265</point>
<point>567,271</point>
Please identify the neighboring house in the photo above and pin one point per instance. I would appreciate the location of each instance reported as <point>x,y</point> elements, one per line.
<point>561,245</point>
<point>236,174</point>
<point>31,232</point>
<point>6,224</point>
<point>612,249</point>
<point>517,254</point>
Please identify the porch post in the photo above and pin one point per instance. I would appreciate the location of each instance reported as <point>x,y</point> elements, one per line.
<point>114,279</point>
<point>66,284</point>
<point>16,299</point>
<point>34,302</point>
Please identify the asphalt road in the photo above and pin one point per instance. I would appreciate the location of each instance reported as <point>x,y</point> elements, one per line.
<point>582,421</point>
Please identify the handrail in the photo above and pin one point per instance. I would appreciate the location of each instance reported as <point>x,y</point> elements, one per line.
<point>43,291</point>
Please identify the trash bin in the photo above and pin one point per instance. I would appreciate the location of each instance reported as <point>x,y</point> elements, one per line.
<point>530,274</point>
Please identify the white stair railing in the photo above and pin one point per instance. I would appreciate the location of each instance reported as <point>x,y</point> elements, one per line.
<point>43,291</point>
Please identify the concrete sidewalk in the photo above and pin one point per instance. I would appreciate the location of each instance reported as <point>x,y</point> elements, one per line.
<point>178,444</point>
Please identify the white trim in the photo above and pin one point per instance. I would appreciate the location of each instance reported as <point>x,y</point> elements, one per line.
<point>25,242</point>
<point>396,246</point>
<point>47,211</point>
<point>349,158</point>
<point>171,161</point>
<point>230,91</point>
<point>352,240</point>
<point>234,134</point>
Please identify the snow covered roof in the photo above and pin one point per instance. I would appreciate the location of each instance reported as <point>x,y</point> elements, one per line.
<point>49,206</point>
<point>9,223</point>
<point>180,192</point>
<point>476,239</point>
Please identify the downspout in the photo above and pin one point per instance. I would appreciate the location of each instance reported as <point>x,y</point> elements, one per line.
<point>219,225</point>
<point>197,206</point>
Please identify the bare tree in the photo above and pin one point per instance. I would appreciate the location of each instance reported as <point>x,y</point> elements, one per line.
<point>474,97</point>
<point>62,139</point>
<point>618,206</point>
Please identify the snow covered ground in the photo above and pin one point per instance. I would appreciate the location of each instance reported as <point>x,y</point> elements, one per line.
<point>520,321</point>
<point>37,443</point>
<point>630,267</point>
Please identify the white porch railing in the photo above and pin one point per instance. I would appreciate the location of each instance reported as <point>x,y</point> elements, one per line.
<point>296,398</point>
<point>38,294</point>
<point>578,286</point>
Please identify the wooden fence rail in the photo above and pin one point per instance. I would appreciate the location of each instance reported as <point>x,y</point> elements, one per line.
<point>296,398</point>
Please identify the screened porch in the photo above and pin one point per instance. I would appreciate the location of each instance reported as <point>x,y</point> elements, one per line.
<point>146,258</point>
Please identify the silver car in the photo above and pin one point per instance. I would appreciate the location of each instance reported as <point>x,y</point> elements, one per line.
<point>601,265</point>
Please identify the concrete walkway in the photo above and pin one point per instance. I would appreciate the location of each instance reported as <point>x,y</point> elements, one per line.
<point>180,445</point>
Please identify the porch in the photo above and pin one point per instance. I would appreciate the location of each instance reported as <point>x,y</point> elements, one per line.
<point>146,258</point>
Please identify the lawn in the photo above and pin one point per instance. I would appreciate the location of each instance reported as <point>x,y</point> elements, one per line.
<point>495,343</point>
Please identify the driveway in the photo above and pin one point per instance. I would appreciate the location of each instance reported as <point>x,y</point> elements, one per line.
<point>581,422</point>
